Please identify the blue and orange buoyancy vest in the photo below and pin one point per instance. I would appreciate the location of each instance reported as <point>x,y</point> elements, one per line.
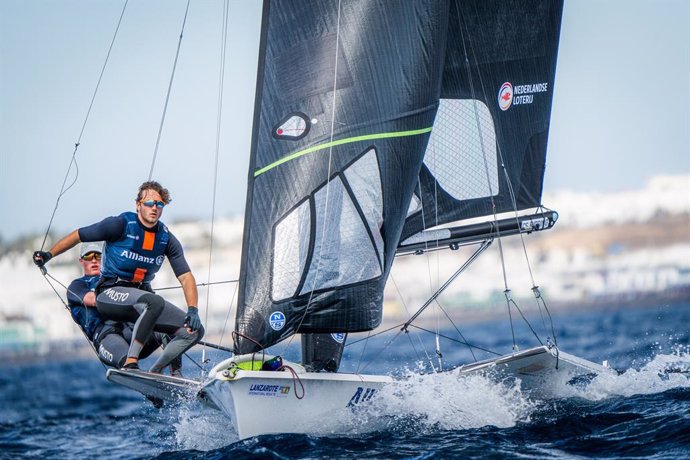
<point>138,254</point>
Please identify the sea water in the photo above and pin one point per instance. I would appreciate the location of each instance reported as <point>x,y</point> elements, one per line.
<point>69,410</point>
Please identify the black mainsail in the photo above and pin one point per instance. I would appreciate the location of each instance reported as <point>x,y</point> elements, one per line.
<point>346,97</point>
<point>349,153</point>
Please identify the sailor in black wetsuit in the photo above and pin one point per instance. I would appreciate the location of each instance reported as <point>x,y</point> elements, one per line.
<point>111,339</point>
<point>136,245</point>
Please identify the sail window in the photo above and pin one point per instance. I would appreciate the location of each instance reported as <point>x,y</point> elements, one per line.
<point>290,249</point>
<point>293,127</point>
<point>347,244</point>
<point>365,182</point>
<point>461,153</point>
<point>415,205</point>
<point>343,250</point>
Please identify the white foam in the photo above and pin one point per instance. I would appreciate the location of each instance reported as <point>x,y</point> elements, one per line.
<point>202,429</point>
<point>658,375</point>
<point>445,401</point>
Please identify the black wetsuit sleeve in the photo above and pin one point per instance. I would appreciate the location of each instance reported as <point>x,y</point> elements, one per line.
<point>76,292</point>
<point>175,255</point>
<point>109,229</point>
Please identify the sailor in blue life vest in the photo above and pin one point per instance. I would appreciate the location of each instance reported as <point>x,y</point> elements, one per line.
<point>111,339</point>
<point>136,245</point>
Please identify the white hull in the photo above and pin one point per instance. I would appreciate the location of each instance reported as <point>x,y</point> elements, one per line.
<point>264,402</point>
<point>543,372</point>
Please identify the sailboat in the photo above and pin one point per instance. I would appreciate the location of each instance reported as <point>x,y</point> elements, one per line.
<point>380,128</point>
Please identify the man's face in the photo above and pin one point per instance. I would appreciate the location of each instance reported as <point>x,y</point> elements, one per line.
<point>91,263</point>
<point>149,208</point>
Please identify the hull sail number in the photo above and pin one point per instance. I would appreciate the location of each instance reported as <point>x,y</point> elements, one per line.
<point>362,395</point>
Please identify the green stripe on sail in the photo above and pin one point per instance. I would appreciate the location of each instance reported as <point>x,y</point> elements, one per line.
<point>347,140</point>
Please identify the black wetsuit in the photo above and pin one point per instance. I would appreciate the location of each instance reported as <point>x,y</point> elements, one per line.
<point>111,339</point>
<point>132,255</point>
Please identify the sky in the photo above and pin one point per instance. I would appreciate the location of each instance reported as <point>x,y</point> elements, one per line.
<point>620,111</point>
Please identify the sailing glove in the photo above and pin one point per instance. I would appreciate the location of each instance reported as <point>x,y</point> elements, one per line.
<point>42,257</point>
<point>192,319</point>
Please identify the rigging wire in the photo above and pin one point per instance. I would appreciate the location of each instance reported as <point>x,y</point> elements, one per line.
<point>439,355</point>
<point>227,317</point>
<point>73,160</point>
<point>47,275</point>
<point>397,326</point>
<point>419,339</point>
<point>219,116</point>
<point>167,96</point>
<point>506,291</point>
<point>428,262</point>
<point>198,285</point>
<point>535,289</point>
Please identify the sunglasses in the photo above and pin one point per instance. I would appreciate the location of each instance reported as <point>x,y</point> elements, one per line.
<point>91,256</point>
<point>152,203</point>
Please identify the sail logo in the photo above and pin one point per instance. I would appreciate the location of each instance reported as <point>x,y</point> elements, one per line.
<point>509,95</point>
<point>277,320</point>
<point>260,389</point>
<point>338,337</point>
<point>505,96</point>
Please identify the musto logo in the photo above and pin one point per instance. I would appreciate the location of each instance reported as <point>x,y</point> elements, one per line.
<point>505,96</point>
<point>116,296</point>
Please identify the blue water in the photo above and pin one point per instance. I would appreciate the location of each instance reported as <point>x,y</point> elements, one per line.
<point>69,410</point>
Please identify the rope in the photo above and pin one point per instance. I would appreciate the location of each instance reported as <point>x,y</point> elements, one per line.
<point>295,380</point>
<point>167,96</point>
<point>73,160</point>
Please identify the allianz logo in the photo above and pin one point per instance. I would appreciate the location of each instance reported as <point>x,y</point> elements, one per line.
<point>138,257</point>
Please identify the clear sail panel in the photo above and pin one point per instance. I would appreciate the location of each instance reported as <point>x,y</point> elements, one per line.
<point>343,252</point>
<point>290,249</point>
<point>461,153</point>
